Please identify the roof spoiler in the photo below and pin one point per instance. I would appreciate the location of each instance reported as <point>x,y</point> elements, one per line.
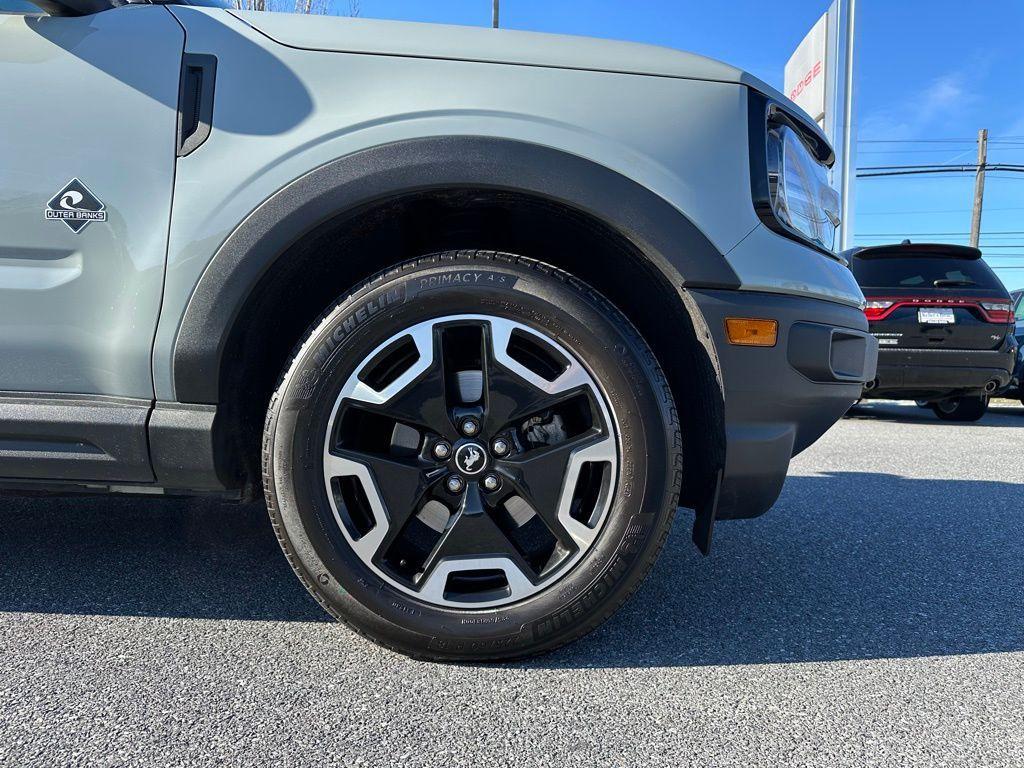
<point>935,250</point>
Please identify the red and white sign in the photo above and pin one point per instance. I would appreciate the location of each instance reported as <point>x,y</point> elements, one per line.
<point>805,71</point>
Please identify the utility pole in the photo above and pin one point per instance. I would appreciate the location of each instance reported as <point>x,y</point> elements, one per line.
<point>979,187</point>
<point>494,15</point>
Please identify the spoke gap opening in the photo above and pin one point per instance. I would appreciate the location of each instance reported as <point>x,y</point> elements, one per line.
<point>569,419</point>
<point>477,586</point>
<point>353,506</point>
<point>535,355</point>
<point>463,363</point>
<point>390,363</point>
<point>591,486</point>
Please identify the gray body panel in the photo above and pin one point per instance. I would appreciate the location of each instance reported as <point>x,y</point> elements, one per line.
<point>495,46</point>
<point>271,136</point>
<point>683,139</point>
<point>305,106</point>
<point>499,46</point>
<point>93,98</point>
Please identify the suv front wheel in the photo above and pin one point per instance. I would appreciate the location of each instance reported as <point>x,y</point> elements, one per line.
<point>473,456</point>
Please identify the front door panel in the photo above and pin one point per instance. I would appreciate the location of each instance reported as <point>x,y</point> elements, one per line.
<point>88,111</point>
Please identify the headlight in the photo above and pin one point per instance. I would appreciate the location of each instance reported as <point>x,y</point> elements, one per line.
<point>801,196</point>
<point>789,162</point>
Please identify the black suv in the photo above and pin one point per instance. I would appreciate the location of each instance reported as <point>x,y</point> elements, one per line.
<point>944,326</point>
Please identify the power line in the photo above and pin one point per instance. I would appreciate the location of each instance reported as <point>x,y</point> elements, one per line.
<point>925,175</point>
<point>929,213</point>
<point>919,170</point>
<point>972,140</point>
<point>943,166</point>
<point>964,234</point>
<point>1014,148</point>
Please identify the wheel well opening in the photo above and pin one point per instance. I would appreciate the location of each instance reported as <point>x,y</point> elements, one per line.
<point>343,252</point>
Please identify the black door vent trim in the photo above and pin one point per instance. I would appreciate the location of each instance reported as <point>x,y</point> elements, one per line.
<point>195,101</point>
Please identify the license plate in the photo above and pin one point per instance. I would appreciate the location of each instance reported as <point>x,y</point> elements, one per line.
<point>936,316</point>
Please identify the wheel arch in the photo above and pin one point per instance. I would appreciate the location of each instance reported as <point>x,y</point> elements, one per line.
<point>345,221</point>
<point>667,239</point>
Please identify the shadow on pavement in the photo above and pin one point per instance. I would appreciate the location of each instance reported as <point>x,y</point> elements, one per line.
<point>846,566</point>
<point>146,557</point>
<point>903,413</point>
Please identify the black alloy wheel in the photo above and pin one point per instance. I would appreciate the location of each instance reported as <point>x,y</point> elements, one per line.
<point>474,456</point>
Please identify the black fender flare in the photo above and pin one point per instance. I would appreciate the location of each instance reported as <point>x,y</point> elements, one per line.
<point>657,229</point>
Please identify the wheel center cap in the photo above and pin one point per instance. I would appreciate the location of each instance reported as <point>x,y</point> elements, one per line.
<point>470,458</point>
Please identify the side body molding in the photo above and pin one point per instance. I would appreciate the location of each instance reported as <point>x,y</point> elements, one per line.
<point>660,231</point>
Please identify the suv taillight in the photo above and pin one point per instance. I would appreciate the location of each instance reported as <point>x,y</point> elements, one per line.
<point>875,309</point>
<point>998,311</point>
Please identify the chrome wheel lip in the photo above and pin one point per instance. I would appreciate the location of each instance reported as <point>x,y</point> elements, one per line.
<point>431,591</point>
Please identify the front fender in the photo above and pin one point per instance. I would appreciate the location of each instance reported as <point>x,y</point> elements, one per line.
<point>658,230</point>
<point>282,113</point>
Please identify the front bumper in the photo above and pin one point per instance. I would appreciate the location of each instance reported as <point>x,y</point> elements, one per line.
<point>779,400</point>
<point>918,374</point>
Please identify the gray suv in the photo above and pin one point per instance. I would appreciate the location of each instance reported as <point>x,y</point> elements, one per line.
<point>474,310</point>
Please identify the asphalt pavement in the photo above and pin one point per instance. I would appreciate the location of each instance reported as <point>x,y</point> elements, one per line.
<point>875,616</point>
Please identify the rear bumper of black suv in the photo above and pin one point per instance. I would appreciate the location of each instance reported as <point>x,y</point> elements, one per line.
<point>780,399</point>
<point>920,374</point>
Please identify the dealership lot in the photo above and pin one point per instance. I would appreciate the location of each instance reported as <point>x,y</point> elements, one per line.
<point>874,617</point>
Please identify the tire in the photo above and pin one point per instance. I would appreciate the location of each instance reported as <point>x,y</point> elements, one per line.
<point>588,485</point>
<point>961,408</point>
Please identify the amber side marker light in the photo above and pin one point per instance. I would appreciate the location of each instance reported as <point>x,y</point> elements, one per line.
<point>750,332</point>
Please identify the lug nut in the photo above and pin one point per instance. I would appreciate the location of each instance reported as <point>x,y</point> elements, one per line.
<point>500,446</point>
<point>442,450</point>
<point>455,484</point>
<point>492,482</point>
<point>470,427</point>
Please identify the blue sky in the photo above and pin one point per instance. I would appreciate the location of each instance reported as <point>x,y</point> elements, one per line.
<point>928,70</point>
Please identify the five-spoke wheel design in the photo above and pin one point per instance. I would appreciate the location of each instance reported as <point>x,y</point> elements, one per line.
<point>470,461</point>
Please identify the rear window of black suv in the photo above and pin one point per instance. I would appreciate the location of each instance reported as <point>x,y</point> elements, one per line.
<point>923,272</point>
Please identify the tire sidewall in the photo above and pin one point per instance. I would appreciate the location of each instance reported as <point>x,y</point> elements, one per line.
<point>585,325</point>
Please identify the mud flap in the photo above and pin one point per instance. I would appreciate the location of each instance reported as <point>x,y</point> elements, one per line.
<point>704,521</point>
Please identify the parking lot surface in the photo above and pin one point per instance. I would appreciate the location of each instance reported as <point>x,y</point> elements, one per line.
<point>874,617</point>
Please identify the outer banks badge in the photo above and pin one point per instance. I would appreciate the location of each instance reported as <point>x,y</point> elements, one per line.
<point>76,206</point>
